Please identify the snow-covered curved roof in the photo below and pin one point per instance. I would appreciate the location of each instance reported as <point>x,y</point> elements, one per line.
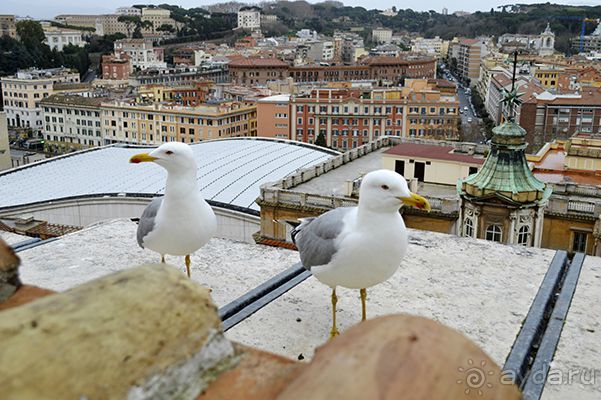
<point>230,171</point>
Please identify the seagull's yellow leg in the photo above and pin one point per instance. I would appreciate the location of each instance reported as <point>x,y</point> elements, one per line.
<point>363,298</point>
<point>334,331</point>
<point>188,265</point>
<point>163,259</point>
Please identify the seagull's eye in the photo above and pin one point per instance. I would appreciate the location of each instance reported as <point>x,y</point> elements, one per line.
<point>385,187</point>
<point>168,152</point>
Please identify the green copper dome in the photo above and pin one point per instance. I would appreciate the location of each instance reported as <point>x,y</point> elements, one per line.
<point>505,170</point>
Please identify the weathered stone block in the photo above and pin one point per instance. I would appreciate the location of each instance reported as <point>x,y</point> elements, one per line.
<point>147,332</point>
<point>9,271</point>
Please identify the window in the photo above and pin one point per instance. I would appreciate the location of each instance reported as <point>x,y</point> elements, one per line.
<point>523,234</point>
<point>468,227</point>
<point>494,233</point>
<point>579,242</point>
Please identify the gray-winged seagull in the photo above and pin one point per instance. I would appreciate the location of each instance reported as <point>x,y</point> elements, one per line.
<point>359,247</point>
<point>180,222</point>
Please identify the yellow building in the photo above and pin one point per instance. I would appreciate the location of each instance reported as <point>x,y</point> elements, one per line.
<point>158,123</point>
<point>548,75</point>
<point>583,153</point>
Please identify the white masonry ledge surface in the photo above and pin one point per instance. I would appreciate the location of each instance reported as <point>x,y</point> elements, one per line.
<point>480,288</point>
<point>12,238</point>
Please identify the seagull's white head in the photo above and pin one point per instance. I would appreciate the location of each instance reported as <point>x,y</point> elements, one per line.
<point>385,191</point>
<point>173,156</point>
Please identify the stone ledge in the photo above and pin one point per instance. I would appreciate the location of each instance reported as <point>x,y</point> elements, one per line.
<point>9,271</point>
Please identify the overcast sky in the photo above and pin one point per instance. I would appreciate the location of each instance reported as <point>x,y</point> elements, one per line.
<point>49,8</point>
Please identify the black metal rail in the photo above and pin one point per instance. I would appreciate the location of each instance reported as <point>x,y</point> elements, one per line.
<point>31,243</point>
<point>535,382</point>
<point>533,349</point>
<point>257,298</point>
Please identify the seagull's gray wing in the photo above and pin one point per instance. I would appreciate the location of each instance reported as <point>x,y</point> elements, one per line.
<point>146,223</point>
<point>315,237</point>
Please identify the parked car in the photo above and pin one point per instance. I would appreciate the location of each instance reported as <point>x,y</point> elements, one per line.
<point>469,119</point>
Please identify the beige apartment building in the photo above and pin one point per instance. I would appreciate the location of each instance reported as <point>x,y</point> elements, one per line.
<point>80,20</point>
<point>157,123</point>
<point>158,17</point>
<point>381,35</point>
<point>71,122</point>
<point>109,24</point>
<point>5,161</point>
<point>471,52</point>
<point>8,26</point>
<point>23,92</point>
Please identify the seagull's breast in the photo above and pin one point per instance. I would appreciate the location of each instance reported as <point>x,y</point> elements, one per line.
<point>182,226</point>
<point>366,256</point>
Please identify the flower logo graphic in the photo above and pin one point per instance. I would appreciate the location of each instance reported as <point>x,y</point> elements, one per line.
<point>475,377</point>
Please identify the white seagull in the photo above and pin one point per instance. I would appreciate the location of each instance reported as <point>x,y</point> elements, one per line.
<point>359,247</point>
<point>181,221</point>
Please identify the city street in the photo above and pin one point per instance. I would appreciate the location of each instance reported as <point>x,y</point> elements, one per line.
<point>469,122</point>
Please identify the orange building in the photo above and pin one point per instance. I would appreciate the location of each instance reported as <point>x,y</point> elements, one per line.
<point>116,66</point>
<point>349,118</point>
<point>273,114</point>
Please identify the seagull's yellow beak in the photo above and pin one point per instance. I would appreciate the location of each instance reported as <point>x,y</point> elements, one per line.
<point>144,157</point>
<point>417,201</point>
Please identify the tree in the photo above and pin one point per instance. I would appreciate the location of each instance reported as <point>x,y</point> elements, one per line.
<point>166,28</point>
<point>321,140</point>
<point>30,33</point>
<point>130,21</point>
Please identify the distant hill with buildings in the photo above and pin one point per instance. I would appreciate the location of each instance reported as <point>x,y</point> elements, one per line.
<point>326,17</point>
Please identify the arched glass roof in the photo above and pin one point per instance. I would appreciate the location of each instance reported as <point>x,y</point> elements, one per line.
<point>230,171</point>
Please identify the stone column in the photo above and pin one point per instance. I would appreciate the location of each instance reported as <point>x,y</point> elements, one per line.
<point>477,222</point>
<point>511,233</point>
<point>538,226</point>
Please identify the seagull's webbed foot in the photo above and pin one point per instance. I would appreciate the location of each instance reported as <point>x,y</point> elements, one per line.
<point>334,331</point>
<point>363,293</point>
<point>188,265</point>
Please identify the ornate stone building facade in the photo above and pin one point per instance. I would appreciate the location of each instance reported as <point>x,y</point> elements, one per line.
<point>504,202</point>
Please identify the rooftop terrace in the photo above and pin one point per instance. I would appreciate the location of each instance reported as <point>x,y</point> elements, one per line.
<point>490,292</point>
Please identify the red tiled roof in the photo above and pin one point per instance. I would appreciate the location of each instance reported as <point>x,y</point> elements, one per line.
<point>258,62</point>
<point>432,152</point>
